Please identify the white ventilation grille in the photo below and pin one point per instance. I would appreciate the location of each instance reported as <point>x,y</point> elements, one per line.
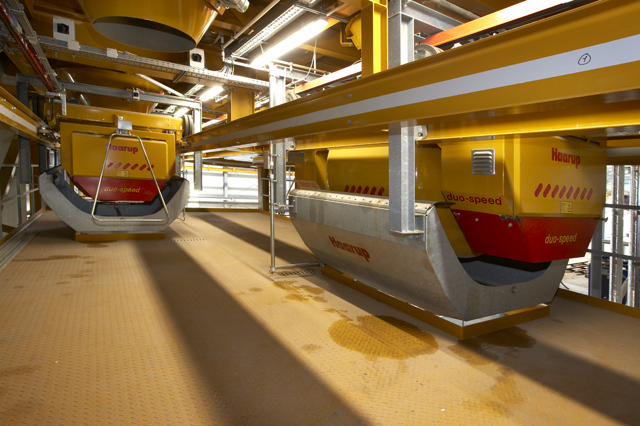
<point>483,161</point>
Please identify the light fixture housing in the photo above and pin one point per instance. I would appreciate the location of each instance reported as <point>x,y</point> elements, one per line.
<point>272,28</point>
<point>307,32</point>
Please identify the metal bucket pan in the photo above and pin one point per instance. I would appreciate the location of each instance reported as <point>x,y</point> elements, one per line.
<point>75,211</point>
<point>351,233</point>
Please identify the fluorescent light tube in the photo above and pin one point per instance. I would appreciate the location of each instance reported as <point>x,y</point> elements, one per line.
<point>210,93</point>
<point>296,39</point>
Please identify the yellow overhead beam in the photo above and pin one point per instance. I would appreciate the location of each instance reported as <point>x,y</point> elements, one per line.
<point>17,117</point>
<point>580,117</point>
<point>591,51</point>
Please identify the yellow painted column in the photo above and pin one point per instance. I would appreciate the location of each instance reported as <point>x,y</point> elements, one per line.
<point>241,103</point>
<point>374,36</point>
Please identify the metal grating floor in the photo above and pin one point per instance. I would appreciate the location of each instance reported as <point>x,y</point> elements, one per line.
<point>193,330</point>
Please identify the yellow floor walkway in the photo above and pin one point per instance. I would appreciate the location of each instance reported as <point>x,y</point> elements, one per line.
<point>194,330</point>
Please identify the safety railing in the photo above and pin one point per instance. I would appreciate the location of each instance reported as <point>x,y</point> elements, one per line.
<point>19,202</point>
<point>614,271</point>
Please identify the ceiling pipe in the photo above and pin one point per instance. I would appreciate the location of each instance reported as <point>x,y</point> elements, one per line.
<point>455,9</point>
<point>251,23</point>
<point>160,85</point>
<point>239,5</point>
<point>321,13</point>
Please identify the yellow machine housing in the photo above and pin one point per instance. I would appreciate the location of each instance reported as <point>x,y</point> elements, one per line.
<point>532,176</point>
<point>531,199</point>
<point>84,134</point>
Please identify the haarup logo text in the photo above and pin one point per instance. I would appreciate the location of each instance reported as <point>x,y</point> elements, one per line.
<point>564,157</point>
<point>132,149</point>
<point>350,248</point>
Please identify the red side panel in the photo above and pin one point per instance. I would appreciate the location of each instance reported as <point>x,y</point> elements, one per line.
<point>529,239</point>
<point>113,189</point>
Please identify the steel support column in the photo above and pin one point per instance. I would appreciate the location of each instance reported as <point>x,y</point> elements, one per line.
<point>402,192</point>
<point>197,157</point>
<point>617,241</point>
<point>595,275</point>
<point>197,171</point>
<point>178,165</point>
<point>24,160</point>
<point>225,185</point>
<point>633,288</point>
<point>405,16</point>
<point>276,162</point>
<point>277,158</point>
<point>401,31</point>
<point>277,96</point>
<point>43,159</point>
<point>24,145</point>
<point>263,189</point>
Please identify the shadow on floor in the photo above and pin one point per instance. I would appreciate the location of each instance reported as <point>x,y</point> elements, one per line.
<point>590,384</point>
<point>247,370</point>
<point>284,250</point>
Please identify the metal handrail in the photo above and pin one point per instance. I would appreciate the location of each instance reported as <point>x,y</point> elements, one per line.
<point>16,197</point>
<point>100,221</point>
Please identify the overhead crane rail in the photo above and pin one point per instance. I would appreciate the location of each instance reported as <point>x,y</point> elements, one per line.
<point>541,68</point>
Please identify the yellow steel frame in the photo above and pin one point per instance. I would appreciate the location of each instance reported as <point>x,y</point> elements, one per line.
<point>538,73</point>
<point>374,37</point>
<point>17,117</point>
